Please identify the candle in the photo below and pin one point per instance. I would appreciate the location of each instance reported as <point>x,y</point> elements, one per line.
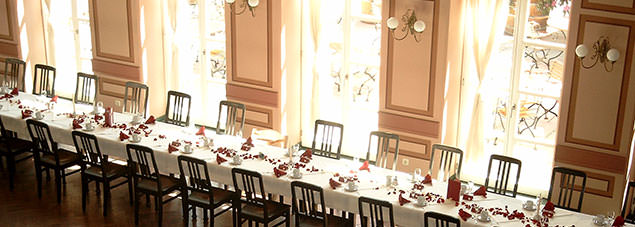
<point>290,151</point>
<point>74,105</point>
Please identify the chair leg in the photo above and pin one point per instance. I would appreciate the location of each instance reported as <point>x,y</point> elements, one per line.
<point>58,185</point>
<point>97,189</point>
<point>130,191</point>
<point>147,200</point>
<point>160,210</point>
<point>288,219</point>
<point>84,191</point>
<point>64,176</point>
<point>136,208</point>
<point>48,174</point>
<point>106,196</point>
<point>38,177</point>
<point>205,214</point>
<point>11,165</point>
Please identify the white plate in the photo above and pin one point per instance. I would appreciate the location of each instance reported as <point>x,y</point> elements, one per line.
<point>185,152</point>
<point>235,163</point>
<point>88,130</point>
<point>419,204</point>
<point>354,189</point>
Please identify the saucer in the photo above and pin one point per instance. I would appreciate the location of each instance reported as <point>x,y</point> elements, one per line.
<point>295,176</point>
<point>133,141</point>
<point>185,152</point>
<point>354,189</point>
<point>420,204</point>
<point>481,219</point>
<point>88,129</point>
<point>529,208</point>
<point>235,163</point>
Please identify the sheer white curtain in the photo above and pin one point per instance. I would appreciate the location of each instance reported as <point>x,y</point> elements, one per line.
<point>170,43</point>
<point>485,20</point>
<point>310,108</point>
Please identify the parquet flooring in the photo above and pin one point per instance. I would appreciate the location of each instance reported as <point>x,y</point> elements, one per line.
<point>23,208</point>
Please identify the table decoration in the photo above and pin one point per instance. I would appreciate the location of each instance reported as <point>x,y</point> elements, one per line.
<point>54,99</point>
<point>247,145</point>
<point>548,210</point>
<point>427,179</point>
<point>334,184</point>
<point>220,159</point>
<point>619,221</point>
<point>278,172</point>
<point>364,166</point>
<point>454,189</point>
<point>6,96</point>
<point>77,125</point>
<point>123,136</point>
<point>14,91</point>
<point>467,197</point>
<point>481,191</point>
<point>173,146</point>
<point>201,131</point>
<point>150,120</point>
<point>26,113</point>
<point>108,117</point>
<point>464,215</point>
<point>403,200</point>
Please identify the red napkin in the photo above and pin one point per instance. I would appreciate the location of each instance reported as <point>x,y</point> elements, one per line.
<point>220,159</point>
<point>548,210</point>
<point>201,131</point>
<point>304,160</point>
<point>481,191</point>
<point>26,113</point>
<point>248,142</point>
<point>76,125</point>
<point>172,148</point>
<point>619,221</point>
<point>54,99</point>
<point>308,154</point>
<point>122,136</point>
<point>150,120</point>
<point>427,179</point>
<point>279,172</point>
<point>549,206</point>
<point>14,91</point>
<point>454,190</point>
<point>364,166</point>
<point>464,215</point>
<point>334,184</point>
<point>403,200</point>
<point>467,197</point>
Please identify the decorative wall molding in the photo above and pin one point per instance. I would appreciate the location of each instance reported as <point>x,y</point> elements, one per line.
<point>411,125</point>
<point>626,74</point>
<point>119,70</point>
<point>9,49</point>
<point>429,112</point>
<point>607,191</point>
<point>252,95</point>
<point>111,83</point>
<point>255,122</point>
<point>591,159</point>
<point>9,16</point>
<point>97,35</point>
<point>587,4</point>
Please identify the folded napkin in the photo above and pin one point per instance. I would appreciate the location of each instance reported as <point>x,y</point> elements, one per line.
<point>308,154</point>
<point>122,136</point>
<point>548,210</point>
<point>304,159</point>
<point>98,117</point>
<point>54,99</point>
<point>619,221</point>
<point>279,172</point>
<point>364,166</point>
<point>481,191</point>
<point>467,197</point>
<point>26,113</point>
<point>76,125</point>
<point>172,148</point>
<point>427,179</point>
<point>220,159</point>
<point>464,215</point>
<point>247,145</point>
<point>549,206</point>
<point>151,120</point>
<point>334,184</point>
<point>403,200</point>
<point>14,91</point>
<point>201,131</point>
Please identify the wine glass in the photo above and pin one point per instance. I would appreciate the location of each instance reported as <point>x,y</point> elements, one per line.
<point>610,217</point>
<point>416,174</point>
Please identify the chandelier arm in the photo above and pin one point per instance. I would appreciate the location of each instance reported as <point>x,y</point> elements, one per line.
<point>416,39</point>
<point>405,34</point>
<point>606,67</point>
<point>243,7</point>
<point>588,67</point>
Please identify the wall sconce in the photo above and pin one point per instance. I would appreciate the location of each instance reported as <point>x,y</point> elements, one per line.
<point>602,52</point>
<point>251,4</point>
<point>410,25</point>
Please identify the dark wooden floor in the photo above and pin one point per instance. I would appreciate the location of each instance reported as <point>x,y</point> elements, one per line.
<point>23,208</point>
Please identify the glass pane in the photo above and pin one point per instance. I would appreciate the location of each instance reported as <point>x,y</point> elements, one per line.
<point>82,9</point>
<point>548,21</point>
<point>365,45</point>
<point>85,43</point>
<point>193,44</point>
<point>537,164</point>
<point>215,37</point>
<point>538,119</point>
<point>541,71</point>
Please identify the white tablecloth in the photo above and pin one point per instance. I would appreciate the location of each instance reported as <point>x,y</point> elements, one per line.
<point>407,215</point>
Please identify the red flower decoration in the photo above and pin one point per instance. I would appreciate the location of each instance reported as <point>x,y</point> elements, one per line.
<point>122,136</point>
<point>403,200</point>
<point>14,91</point>
<point>279,172</point>
<point>334,184</point>
<point>364,166</point>
<point>481,191</point>
<point>201,131</point>
<point>150,120</point>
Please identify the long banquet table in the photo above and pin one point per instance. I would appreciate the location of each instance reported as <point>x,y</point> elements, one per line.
<point>371,182</point>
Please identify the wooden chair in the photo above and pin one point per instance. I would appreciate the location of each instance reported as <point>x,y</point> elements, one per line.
<point>310,211</point>
<point>14,73</point>
<point>255,207</point>
<point>148,180</point>
<point>566,188</point>
<point>376,210</point>
<point>629,200</point>
<point>48,155</point>
<point>96,167</point>
<point>383,148</point>
<point>447,161</point>
<point>135,99</point>
<point>197,190</point>
<point>323,140</point>
<point>44,80</point>
<point>176,111</point>
<point>440,220</point>
<point>86,88</point>
<point>231,117</point>
<point>11,147</point>
<point>502,175</point>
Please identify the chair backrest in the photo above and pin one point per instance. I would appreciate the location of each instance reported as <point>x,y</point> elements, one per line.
<point>629,201</point>
<point>250,183</point>
<point>135,99</point>
<point>143,164</point>
<point>382,141</point>
<point>44,80</point>
<point>566,188</point>
<point>177,110</point>
<point>448,160</point>
<point>308,200</point>
<point>194,173</point>
<point>14,73</point>
<point>440,220</point>
<point>42,139</point>
<point>505,165</point>
<point>324,139</point>
<point>87,145</point>
<point>86,88</point>
<point>377,211</point>
<point>232,110</point>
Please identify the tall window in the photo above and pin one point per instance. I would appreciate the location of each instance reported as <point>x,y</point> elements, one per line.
<point>347,61</point>
<point>68,41</point>
<point>522,101</point>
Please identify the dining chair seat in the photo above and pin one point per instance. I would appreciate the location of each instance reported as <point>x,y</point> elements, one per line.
<point>114,170</point>
<point>273,209</point>
<point>67,158</point>
<point>15,145</point>
<point>332,220</point>
<point>167,184</point>
<point>220,196</point>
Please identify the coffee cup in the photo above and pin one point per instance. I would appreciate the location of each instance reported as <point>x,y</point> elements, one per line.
<point>39,115</point>
<point>529,203</point>
<point>136,137</point>
<point>137,118</point>
<point>89,125</point>
<point>187,148</point>
<point>351,185</point>
<point>421,200</point>
<point>237,159</point>
<point>296,172</point>
<point>484,215</point>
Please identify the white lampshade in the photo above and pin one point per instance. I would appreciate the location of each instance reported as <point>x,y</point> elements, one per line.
<point>581,50</point>
<point>392,23</point>
<point>253,3</point>
<point>230,1</point>
<point>613,54</point>
<point>419,26</point>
